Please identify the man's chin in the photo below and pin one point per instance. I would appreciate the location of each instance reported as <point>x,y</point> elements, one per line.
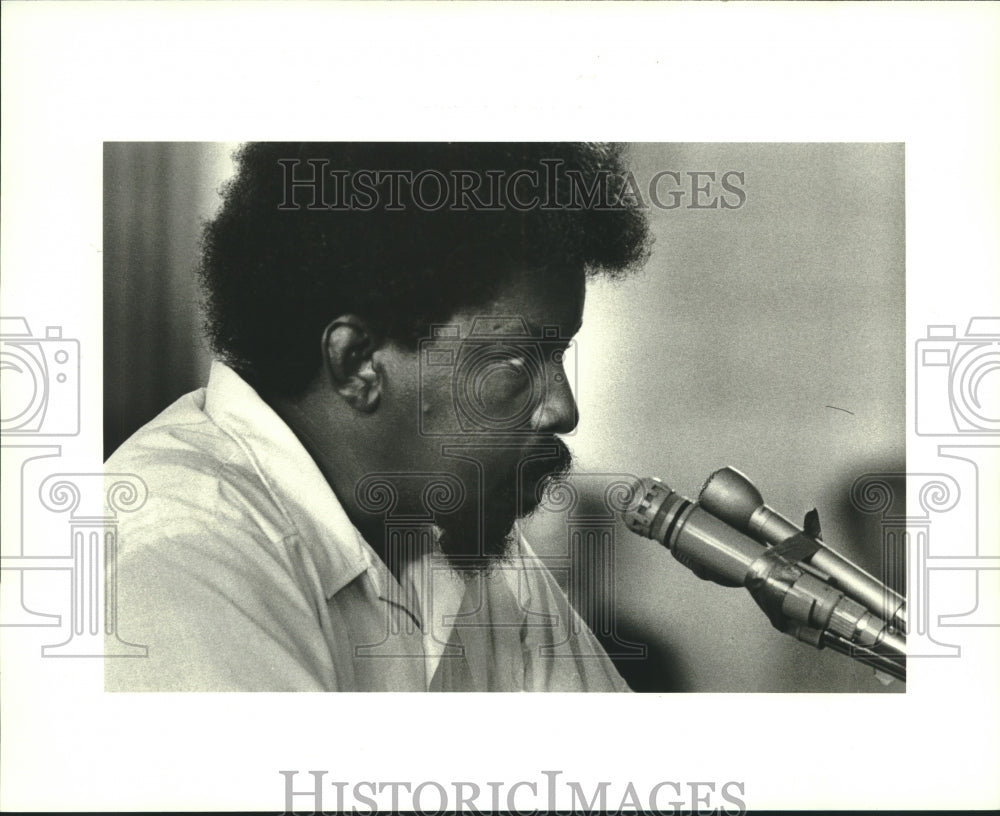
<point>474,544</point>
<point>474,548</point>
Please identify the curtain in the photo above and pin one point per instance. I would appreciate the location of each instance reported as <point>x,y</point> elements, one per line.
<point>156,199</point>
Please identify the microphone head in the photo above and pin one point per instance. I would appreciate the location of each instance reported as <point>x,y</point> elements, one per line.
<point>648,497</point>
<point>731,497</point>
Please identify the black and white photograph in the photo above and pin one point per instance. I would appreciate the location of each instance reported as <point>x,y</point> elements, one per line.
<point>412,343</point>
<point>643,355</point>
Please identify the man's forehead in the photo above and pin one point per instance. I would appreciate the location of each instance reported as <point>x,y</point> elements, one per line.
<point>529,305</point>
<point>493,325</point>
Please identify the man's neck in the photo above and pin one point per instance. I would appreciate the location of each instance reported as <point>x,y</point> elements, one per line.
<point>323,437</point>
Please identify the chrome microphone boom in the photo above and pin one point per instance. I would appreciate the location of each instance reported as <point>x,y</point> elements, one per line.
<point>795,601</point>
<point>730,496</point>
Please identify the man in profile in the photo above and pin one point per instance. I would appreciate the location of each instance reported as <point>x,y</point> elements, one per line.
<point>337,510</point>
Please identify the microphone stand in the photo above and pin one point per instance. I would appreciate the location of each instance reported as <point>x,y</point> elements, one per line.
<point>732,497</point>
<point>796,595</point>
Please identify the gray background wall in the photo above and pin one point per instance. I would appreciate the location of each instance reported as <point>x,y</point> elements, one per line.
<point>769,337</point>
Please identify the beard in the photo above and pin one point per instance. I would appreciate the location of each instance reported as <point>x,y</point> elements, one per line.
<point>480,535</point>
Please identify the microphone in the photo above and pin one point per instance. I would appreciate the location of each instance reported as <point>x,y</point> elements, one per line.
<point>795,601</point>
<point>730,496</point>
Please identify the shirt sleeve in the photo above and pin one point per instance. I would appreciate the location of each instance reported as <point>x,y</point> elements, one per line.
<point>216,615</point>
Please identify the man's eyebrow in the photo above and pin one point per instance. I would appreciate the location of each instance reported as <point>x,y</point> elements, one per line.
<point>539,331</point>
<point>576,328</point>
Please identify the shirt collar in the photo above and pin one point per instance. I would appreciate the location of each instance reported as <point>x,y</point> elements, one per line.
<point>292,478</point>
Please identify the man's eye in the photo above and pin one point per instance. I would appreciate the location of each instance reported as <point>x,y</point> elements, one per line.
<point>505,371</point>
<point>512,363</point>
<point>499,377</point>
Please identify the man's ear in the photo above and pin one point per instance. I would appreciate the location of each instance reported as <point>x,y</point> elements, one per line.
<point>348,349</point>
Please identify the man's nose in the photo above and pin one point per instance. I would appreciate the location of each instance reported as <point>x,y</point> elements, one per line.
<point>559,413</point>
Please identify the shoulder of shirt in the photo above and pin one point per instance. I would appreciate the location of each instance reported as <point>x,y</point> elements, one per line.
<point>197,477</point>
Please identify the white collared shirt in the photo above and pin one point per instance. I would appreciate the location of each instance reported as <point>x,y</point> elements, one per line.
<point>242,572</point>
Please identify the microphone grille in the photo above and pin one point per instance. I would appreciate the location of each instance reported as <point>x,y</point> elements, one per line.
<point>730,496</point>
<point>640,513</point>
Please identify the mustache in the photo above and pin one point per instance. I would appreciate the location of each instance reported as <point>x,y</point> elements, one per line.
<point>536,476</point>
